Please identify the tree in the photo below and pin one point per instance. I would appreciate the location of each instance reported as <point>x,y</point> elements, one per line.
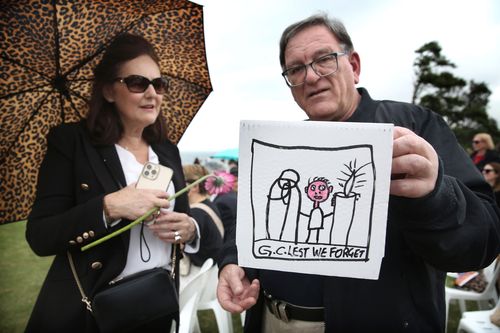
<point>462,104</point>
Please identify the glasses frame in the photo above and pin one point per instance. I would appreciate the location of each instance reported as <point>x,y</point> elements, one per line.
<point>312,64</point>
<point>154,82</point>
<point>487,171</point>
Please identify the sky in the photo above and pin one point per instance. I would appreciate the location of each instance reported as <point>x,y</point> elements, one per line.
<point>242,51</point>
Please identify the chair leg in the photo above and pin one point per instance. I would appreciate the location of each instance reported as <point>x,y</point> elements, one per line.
<point>224,319</point>
<point>461,303</point>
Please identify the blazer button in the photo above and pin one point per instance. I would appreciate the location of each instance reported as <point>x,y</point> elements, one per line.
<point>96,265</point>
<point>79,239</point>
<point>72,242</point>
<point>84,187</point>
<point>85,235</point>
<point>91,233</point>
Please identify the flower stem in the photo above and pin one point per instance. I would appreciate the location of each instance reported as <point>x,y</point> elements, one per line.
<point>143,217</point>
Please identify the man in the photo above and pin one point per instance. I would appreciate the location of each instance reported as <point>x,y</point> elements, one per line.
<point>441,213</point>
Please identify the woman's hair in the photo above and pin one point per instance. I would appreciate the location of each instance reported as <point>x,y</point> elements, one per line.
<point>103,120</point>
<point>335,26</point>
<point>496,167</point>
<point>193,172</point>
<point>486,138</point>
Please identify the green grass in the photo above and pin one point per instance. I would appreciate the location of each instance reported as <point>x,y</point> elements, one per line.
<point>22,274</point>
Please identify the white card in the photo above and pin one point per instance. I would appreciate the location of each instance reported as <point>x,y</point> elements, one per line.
<point>313,196</point>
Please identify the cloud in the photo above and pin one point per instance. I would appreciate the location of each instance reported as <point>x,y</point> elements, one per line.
<point>242,50</point>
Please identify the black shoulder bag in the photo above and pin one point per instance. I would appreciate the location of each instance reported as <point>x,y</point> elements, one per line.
<point>133,301</point>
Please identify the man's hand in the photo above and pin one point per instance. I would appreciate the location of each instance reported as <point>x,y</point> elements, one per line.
<point>414,165</point>
<point>234,292</point>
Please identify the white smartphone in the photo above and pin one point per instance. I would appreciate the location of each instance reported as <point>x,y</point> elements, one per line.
<point>154,177</point>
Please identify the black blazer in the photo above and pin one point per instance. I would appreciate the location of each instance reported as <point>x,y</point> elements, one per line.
<point>68,214</point>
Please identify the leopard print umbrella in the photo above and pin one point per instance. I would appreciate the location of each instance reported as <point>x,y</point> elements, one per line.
<point>48,50</point>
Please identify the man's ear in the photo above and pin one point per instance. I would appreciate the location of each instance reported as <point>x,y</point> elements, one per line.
<point>355,62</point>
<point>330,189</point>
<point>107,92</point>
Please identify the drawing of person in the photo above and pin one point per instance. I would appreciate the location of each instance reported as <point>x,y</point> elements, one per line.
<point>318,190</point>
<point>282,209</point>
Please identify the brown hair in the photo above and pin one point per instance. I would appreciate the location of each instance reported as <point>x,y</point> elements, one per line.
<point>193,172</point>
<point>496,167</point>
<point>103,121</point>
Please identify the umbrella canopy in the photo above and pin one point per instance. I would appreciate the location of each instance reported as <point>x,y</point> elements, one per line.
<point>227,154</point>
<point>48,51</point>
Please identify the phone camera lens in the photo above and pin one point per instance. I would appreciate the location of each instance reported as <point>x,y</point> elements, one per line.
<point>149,166</point>
<point>153,172</point>
<point>146,173</point>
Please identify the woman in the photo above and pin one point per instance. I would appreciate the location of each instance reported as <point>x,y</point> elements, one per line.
<point>490,174</point>
<point>207,215</point>
<point>484,152</point>
<point>86,189</point>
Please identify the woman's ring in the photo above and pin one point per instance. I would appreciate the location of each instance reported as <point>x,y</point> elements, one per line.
<point>177,236</point>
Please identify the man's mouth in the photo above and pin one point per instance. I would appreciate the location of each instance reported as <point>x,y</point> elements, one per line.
<point>316,92</point>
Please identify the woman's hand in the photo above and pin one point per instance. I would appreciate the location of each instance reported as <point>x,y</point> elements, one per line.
<point>173,227</point>
<point>131,203</point>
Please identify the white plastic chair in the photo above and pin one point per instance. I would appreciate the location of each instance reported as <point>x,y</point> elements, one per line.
<point>189,298</point>
<point>491,274</point>
<point>208,301</point>
<point>478,322</point>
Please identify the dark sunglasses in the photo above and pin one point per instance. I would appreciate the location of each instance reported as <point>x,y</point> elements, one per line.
<point>139,84</point>
<point>488,170</point>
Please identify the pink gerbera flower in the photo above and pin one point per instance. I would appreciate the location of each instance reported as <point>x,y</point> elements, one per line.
<point>222,182</point>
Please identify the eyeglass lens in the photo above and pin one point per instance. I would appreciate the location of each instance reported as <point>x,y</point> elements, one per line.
<point>488,170</point>
<point>139,84</point>
<point>476,141</point>
<point>322,66</point>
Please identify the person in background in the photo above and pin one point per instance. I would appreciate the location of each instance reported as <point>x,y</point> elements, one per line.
<point>441,215</point>
<point>208,217</point>
<point>491,173</point>
<point>86,189</point>
<point>483,150</point>
<point>227,203</point>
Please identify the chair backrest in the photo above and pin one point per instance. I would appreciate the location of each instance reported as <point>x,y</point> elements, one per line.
<point>196,285</point>
<point>209,293</point>
<point>492,277</point>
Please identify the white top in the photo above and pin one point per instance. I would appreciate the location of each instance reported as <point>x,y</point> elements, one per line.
<point>159,254</point>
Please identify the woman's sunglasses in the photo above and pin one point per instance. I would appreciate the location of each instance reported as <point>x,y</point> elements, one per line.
<point>139,84</point>
<point>488,170</point>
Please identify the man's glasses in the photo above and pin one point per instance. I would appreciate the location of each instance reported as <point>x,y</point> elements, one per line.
<point>488,170</point>
<point>139,84</point>
<point>322,66</point>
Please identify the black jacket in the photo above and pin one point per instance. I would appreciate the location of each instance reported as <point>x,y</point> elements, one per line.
<point>68,214</point>
<point>454,228</point>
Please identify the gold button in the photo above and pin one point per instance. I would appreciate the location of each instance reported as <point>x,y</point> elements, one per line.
<point>91,233</point>
<point>96,265</point>
<point>72,242</point>
<point>79,239</point>
<point>85,235</point>
<point>84,186</point>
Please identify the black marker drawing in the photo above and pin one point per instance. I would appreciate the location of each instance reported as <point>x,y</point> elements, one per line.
<point>333,222</point>
<point>283,202</point>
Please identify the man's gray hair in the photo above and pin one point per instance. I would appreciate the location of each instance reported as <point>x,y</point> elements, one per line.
<point>334,25</point>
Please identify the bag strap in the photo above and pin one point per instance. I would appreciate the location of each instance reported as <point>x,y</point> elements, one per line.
<point>212,214</point>
<point>85,299</point>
